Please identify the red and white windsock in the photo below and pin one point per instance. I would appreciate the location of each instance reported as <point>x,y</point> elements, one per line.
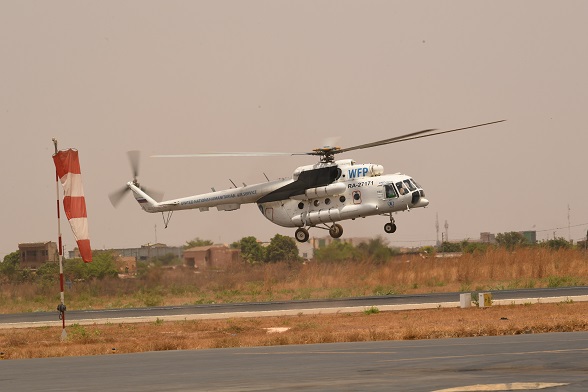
<point>67,165</point>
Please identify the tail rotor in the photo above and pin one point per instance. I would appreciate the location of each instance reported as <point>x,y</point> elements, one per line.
<point>117,196</point>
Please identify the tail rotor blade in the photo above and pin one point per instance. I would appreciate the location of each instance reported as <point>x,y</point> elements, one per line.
<point>134,158</point>
<point>116,196</point>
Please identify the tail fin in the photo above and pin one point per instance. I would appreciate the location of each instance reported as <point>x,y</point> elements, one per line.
<point>146,202</point>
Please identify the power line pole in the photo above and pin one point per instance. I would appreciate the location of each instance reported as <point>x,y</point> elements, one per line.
<point>437,227</point>
<point>569,232</point>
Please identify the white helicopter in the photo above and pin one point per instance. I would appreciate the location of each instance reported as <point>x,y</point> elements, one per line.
<point>318,195</point>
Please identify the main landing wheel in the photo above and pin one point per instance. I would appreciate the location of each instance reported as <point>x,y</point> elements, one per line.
<point>336,231</point>
<point>301,234</point>
<point>389,228</point>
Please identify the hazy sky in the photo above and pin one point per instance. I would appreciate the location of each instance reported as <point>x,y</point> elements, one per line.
<point>198,76</point>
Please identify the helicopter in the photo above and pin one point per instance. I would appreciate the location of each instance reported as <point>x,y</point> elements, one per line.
<point>316,196</point>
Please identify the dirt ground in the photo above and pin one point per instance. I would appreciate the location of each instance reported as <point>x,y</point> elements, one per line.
<point>371,325</point>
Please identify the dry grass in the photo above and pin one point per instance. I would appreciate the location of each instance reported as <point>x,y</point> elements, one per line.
<point>247,332</point>
<point>493,270</point>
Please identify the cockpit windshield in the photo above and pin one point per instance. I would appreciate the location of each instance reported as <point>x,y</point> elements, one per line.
<point>416,183</point>
<point>410,185</point>
<point>401,188</point>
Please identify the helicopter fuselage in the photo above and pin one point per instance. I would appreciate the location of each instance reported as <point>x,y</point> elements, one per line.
<point>316,195</point>
<point>359,191</point>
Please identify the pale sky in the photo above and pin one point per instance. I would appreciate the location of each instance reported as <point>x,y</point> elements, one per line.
<point>170,77</point>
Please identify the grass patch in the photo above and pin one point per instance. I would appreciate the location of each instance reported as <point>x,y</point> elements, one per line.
<point>371,310</point>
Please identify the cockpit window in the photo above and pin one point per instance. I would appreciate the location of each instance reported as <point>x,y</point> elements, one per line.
<point>410,185</point>
<point>416,183</point>
<point>401,188</point>
<point>390,191</point>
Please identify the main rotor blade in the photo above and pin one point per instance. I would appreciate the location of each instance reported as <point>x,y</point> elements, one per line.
<point>134,158</point>
<point>452,130</point>
<point>228,154</point>
<point>382,142</point>
<point>411,136</point>
<point>116,196</point>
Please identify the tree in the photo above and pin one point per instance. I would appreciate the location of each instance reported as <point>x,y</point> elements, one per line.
<point>10,264</point>
<point>281,248</point>
<point>376,249</point>
<point>511,240</point>
<point>474,247</point>
<point>450,247</point>
<point>103,265</point>
<point>197,242</point>
<point>337,251</point>
<point>557,243</point>
<point>251,249</point>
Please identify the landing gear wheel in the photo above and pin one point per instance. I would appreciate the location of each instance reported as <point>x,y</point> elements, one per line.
<point>336,231</point>
<point>389,228</point>
<point>301,235</point>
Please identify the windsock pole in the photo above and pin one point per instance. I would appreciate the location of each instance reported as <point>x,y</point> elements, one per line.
<point>61,306</point>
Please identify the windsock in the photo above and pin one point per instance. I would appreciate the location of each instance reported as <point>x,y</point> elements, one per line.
<point>67,165</point>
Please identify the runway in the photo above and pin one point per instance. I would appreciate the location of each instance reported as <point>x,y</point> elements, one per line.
<point>556,361</point>
<point>285,308</point>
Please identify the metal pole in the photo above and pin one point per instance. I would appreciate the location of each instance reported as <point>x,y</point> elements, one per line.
<point>61,306</point>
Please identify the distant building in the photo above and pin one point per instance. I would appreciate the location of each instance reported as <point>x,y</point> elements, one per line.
<point>530,236</point>
<point>487,238</point>
<point>211,257</point>
<point>144,253</point>
<point>305,249</point>
<point>35,254</point>
<point>318,243</point>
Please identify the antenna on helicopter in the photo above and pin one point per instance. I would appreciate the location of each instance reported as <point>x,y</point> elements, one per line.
<point>232,183</point>
<point>266,177</point>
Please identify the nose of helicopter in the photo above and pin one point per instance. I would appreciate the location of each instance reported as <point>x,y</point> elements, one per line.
<point>421,203</point>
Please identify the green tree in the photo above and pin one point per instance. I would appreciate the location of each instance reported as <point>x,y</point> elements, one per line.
<point>450,247</point>
<point>511,240</point>
<point>10,264</point>
<point>557,243</point>
<point>103,265</point>
<point>376,249</point>
<point>337,251</point>
<point>281,248</point>
<point>251,249</point>
<point>474,247</point>
<point>197,242</point>
<point>48,272</point>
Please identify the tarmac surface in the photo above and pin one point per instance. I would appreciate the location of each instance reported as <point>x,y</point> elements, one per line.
<point>552,362</point>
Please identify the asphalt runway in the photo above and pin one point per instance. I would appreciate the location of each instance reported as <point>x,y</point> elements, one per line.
<point>284,308</point>
<point>556,361</point>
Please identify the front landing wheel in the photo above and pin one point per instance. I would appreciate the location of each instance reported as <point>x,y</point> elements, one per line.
<point>301,234</point>
<point>389,228</point>
<point>336,231</point>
